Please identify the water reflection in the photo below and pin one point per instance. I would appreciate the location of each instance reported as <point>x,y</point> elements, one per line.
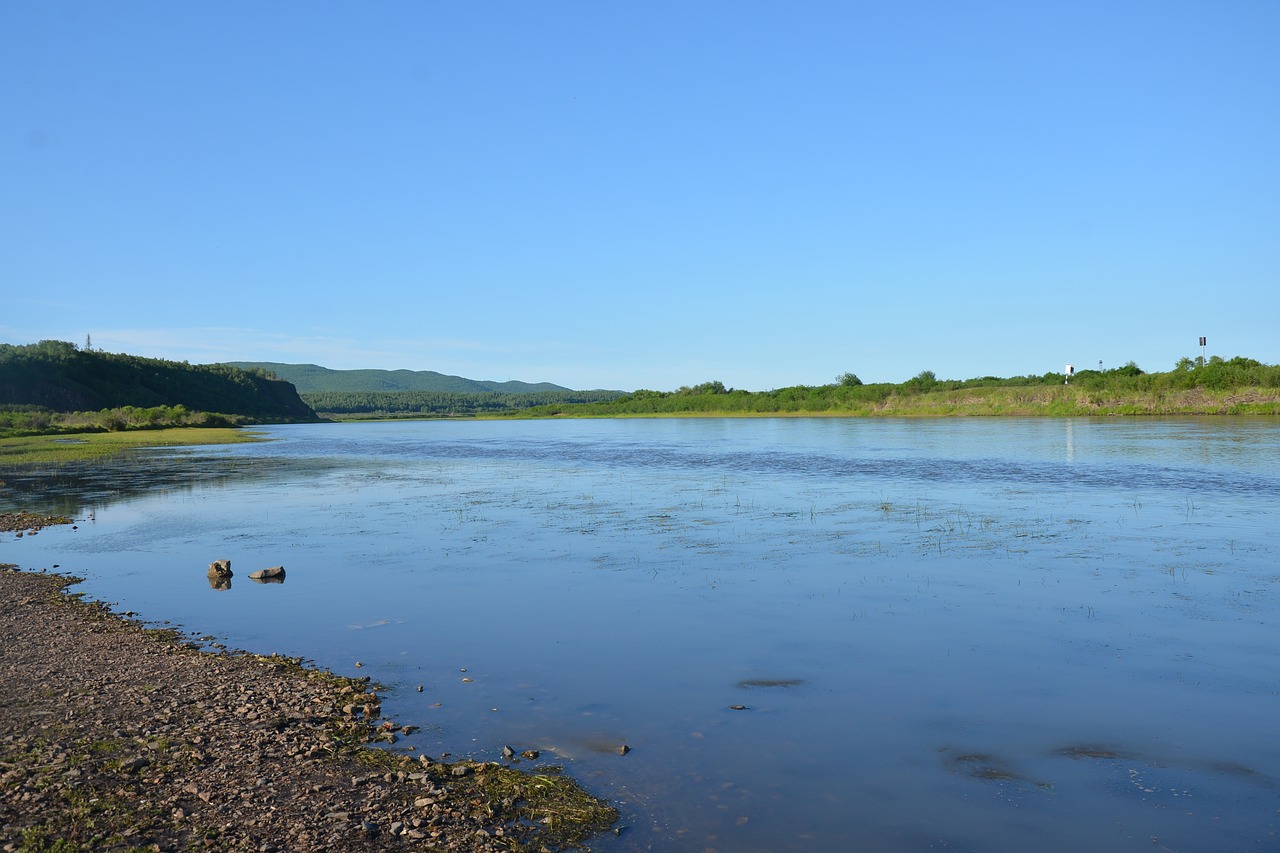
<point>78,488</point>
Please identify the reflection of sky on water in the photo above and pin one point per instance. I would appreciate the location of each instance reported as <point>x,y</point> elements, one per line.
<point>957,603</point>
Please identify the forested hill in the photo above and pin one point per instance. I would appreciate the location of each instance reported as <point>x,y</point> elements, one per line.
<point>312,378</point>
<point>61,377</point>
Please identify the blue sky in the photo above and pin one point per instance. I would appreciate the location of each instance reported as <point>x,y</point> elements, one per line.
<point>606,195</point>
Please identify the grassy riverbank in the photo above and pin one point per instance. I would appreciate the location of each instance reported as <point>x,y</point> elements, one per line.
<point>1237,387</point>
<point>93,446</point>
<point>1042,401</point>
<point>1069,401</point>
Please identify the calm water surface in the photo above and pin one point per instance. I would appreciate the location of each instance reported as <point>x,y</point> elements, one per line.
<point>994,635</point>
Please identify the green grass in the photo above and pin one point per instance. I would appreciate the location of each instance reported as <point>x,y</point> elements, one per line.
<point>1017,401</point>
<point>90,446</point>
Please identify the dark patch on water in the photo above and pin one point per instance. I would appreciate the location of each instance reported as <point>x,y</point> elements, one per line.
<point>749,683</point>
<point>1094,751</point>
<point>986,767</point>
<point>979,765</point>
<point>1240,771</point>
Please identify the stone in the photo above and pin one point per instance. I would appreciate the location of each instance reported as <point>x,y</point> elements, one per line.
<point>273,573</point>
<point>220,569</point>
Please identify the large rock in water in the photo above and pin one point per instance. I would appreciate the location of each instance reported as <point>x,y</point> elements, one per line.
<point>220,569</point>
<point>275,573</point>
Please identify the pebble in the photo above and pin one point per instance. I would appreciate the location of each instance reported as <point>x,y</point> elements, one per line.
<point>209,779</point>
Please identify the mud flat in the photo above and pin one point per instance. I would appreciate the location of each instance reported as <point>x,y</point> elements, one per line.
<point>115,736</point>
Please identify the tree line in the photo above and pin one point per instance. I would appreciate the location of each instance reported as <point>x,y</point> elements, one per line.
<point>848,393</point>
<point>40,380</point>
<point>442,403</point>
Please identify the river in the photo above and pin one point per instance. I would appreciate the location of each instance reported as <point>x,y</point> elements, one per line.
<point>809,634</point>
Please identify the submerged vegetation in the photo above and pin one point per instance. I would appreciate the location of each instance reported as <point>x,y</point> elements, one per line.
<point>1217,386</point>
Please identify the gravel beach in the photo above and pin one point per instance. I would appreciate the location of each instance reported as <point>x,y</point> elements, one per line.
<point>114,736</point>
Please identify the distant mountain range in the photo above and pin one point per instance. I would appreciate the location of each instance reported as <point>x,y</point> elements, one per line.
<point>312,378</point>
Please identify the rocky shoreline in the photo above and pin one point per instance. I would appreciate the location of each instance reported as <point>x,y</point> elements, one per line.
<point>115,736</point>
